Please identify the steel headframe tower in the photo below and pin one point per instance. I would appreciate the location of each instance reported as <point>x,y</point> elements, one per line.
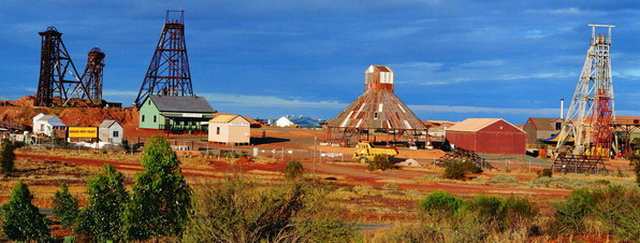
<point>55,64</point>
<point>590,115</point>
<point>168,72</point>
<point>92,76</point>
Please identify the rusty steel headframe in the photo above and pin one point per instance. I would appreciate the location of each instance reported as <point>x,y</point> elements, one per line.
<point>168,72</point>
<point>92,76</point>
<point>55,68</point>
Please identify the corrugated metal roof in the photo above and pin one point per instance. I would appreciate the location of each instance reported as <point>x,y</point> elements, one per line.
<point>53,120</point>
<point>107,123</point>
<point>195,104</point>
<point>548,124</point>
<point>226,118</point>
<point>477,124</point>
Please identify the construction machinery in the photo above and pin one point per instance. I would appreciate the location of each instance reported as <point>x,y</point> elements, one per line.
<point>587,128</point>
<point>365,152</point>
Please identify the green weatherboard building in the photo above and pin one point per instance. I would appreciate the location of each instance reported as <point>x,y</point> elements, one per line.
<point>175,113</point>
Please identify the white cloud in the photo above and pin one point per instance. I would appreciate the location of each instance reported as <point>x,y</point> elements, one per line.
<point>560,11</point>
<point>241,100</point>
<point>263,101</point>
<point>484,110</point>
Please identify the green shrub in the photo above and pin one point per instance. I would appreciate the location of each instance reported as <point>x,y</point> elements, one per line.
<point>107,198</point>
<point>618,208</point>
<point>161,198</point>
<point>570,215</point>
<point>380,162</point>
<point>22,220</point>
<point>489,209</point>
<point>294,170</point>
<point>440,204</point>
<point>457,169</point>
<point>410,233</point>
<point>519,212</point>
<point>236,212</point>
<point>65,207</point>
<point>7,157</point>
<point>500,214</point>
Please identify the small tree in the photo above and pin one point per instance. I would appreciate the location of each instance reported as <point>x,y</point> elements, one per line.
<point>22,220</point>
<point>457,169</point>
<point>440,204</point>
<point>102,218</point>
<point>65,207</point>
<point>294,170</point>
<point>8,156</point>
<point>161,199</point>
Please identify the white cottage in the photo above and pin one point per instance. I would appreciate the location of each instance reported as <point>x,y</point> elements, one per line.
<point>110,131</point>
<point>47,124</point>
<point>230,129</point>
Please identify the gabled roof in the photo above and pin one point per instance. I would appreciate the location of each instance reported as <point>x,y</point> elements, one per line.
<point>380,68</point>
<point>540,123</point>
<point>226,118</point>
<point>477,124</point>
<point>107,123</point>
<point>194,104</point>
<point>52,120</point>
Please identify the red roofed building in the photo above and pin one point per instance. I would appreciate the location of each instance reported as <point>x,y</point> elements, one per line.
<point>487,135</point>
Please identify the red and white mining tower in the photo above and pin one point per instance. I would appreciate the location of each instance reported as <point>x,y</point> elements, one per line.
<point>588,122</point>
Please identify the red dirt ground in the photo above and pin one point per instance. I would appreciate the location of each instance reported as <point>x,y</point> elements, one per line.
<point>346,173</point>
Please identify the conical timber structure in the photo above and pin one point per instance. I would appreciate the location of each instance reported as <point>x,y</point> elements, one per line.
<point>378,108</point>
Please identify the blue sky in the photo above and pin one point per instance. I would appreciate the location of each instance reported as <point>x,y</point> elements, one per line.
<point>453,59</point>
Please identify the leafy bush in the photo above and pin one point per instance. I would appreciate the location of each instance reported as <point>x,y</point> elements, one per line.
<point>161,198</point>
<point>236,212</point>
<point>7,156</point>
<point>618,209</point>
<point>107,198</point>
<point>519,212</point>
<point>65,207</point>
<point>440,204</point>
<point>570,215</point>
<point>294,170</point>
<point>22,220</point>
<point>457,169</point>
<point>380,162</point>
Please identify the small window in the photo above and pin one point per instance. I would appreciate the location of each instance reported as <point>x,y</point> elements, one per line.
<point>217,130</point>
<point>116,134</point>
<point>154,118</point>
<point>558,125</point>
<point>142,118</point>
<point>375,115</point>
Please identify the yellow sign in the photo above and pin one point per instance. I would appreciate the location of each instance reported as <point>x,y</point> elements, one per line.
<point>83,132</point>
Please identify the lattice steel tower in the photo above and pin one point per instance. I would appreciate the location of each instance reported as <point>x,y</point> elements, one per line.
<point>589,117</point>
<point>168,72</point>
<point>55,66</point>
<point>92,76</point>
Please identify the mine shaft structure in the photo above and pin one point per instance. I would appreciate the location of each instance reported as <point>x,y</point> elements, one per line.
<point>378,115</point>
<point>168,73</point>
<point>92,76</point>
<point>58,75</point>
<point>588,123</point>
